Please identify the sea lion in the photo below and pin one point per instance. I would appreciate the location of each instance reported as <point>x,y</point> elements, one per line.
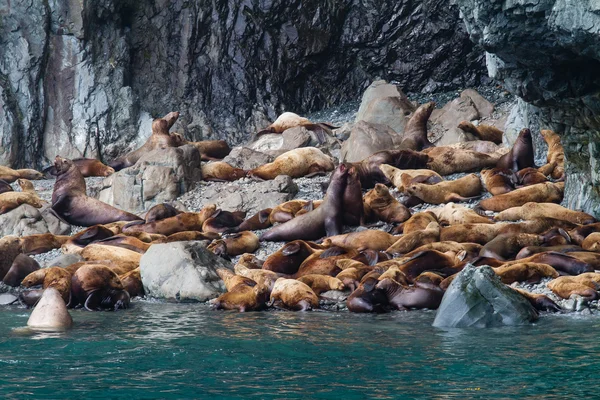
<point>10,175</point>
<point>418,221</point>
<point>294,295</point>
<point>367,298</point>
<point>530,176</point>
<point>210,149</point>
<point>395,175</point>
<point>592,242</point>
<point>126,242</point>
<point>188,235</point>
<point>243,294</point>
<point>295,163</point>
<point>412,240</point>
<point>521,155</point>
<point>531,250</point>
<point>125,259</point>
<point>237,244</point>
<point>471,233</point>
<point>321,283</point>
<point>575,263</point>
<point>566,286</point>
<point>250,261</point>
<point>498,181</point>
<point>10,248</point>
<point>288,210</point>
<point>87,166</point>
<point>76,243</point>
<point>288,258</point>
<point>324,262</point>
<point>525,272</point>
<point>20,268</point>
<point>5,187</point>
<point>484,132</point>
<point>539,301</point>
<point>179,223</point>
<point>54,277</point>
<point>427,260</point>
<point>461,189</point>
<point>406,298</point>
<point>447,160</point>
<point>428,279</point>
<point>161,211</point>
<point>370,173</point>
<point>506,246</point>
<point>50,313</point>
<point>41,243</point>
<point>371,239</point>
<point>132,282</point>
<point>223,221</point>
<point>260,276</point>
<point>352,203</point>
<point>289,120</point>
<point>394,273</point>
<point>415,131</point>
<point>555,157</point>
<point>11,200</point>
<point>258,221</point>
<point>352,272</point>
<point>462,251</point>
<point>221,172</point>
<point>97,287</point>
<point>379,204</point>
<point>544,210</point>
<point>71,203</point>
<point>539,193</point>
<point>453,214</point>
<point>325,220</point>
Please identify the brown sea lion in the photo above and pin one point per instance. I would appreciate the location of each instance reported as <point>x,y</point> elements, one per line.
<point>41,243</point>
<point>243,297</point>
<point>71,203</point>
<point>77,242</point>
<point>28,195</point>
<point>179,223</point>
<point>482,131</point>
<point>221,172</point>
<point>369,170</point>
<point>321,283</point>
<point>539,193</point>
<point>10,248</point>
<point>125,259</point>
<point>367,298</point>
<point>97,287</point>
<point>498,181</point>
<point>294,295</point>
<point>55,277</point>
<point>395,175</point>
<point>531,250</point>
<point>288,210</point>
<point>20,268</point>
<point>410,241</point>
<point>530,176</point>
<point>461,189</point>
<point>453,214</point>
<point>447,160</point>
<point>223,221</point>
<point>462,251</point>
<point>592,242</point>
<point>324,262</point>
<point>427,260</point>
<point>544,210</point>
<point>188,235</point>
<point>126,242</point>
<point>415,132</point>
<point>352,203</point>
<point>380,205</point>
<point>352,272</point>
<point>288,259</point>
<point>289,120</point>
<point>250,261</point>
<point>211,149</point>
<point>428,279</point>
<point>525,272</point>
<point>418,221</point>
<point>367,239</point>
<point>520,155</point>
<point>258,221</point>
<point>539,301</point>
<point>132,282</point>
<point>579,233</point>
<point>575,263</point>
<point>566,286</point>
<point>295,163</point>
<point>325,220</point>
<point>408,298</point>
<point>87,166</point>
<point>161,211</point>
<point>10,175</point>
<point>260,276</point>
<point>237,244</point>
<point>556,155</point>
<point>506,246</point>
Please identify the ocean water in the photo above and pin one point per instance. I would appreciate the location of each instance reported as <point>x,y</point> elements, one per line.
<point>160,350</point>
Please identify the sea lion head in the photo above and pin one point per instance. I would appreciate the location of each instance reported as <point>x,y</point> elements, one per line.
<point>62,165</point>
<point>160,126</point>
<point>178,139</point>
<point>108,171</point>
<point>525,135</point>
<point>25,184</point>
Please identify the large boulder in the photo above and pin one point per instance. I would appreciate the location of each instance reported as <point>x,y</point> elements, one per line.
<point>385,103</point>
<point>367,138</point>
<point>247,158</point>
<point>182,271</point>
<point>158,177</point>
<point>28,220</point>
<point>478,298</point>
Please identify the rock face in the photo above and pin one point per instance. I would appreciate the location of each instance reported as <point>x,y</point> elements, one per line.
<point>85,78</point>
<point>548,53</point>
<point>477,298</point>
<point>368,138</point>
<point>182,271</point>
<point>27,220</point>
<point>159,176</point>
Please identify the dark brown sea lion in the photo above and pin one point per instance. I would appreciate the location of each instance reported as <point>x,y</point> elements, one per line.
<point>447,160</point>
<point>258,221</point>
<point>544,210</point>
<point>132,283</point>
<point>295,163</point>
<point>221,172</point>
<point>97,287</point>
<point>27,195</point>
<point>20,268</point>
<point>530,176</point>
<point>325,220</point>
<point>161,211</point>
<point>5,187</point>
<point>222,221</point>
<point>288,210</point>
<point>10,248</point>
<point>367,298</point>
<point>321,283</point>
<point>369,172</point>
<point>71,203</point>
<point>506,246</point>
<point>539,301</point>
<point>547,192</point>
<point>426,260</point>
<point>498,181</point>
<point>525,272</point>
<point>461,189</point>
<point>482,131</point>
<point>288,259</point>
<point>211,149</point>
<point>567,263</point>
<point>294,295</point>
<point>520,155</point>
<point>531,250</point>
<point>415,132</point>
<point>406,298</point>
<point>179,223</point>
<point>578,234</point>
<point>380,205</point>
<point>352,204</point>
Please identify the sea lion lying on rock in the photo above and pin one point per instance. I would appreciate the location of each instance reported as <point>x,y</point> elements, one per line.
<point>11,200</point>
<point>369,172</point>
<point>295,163</point>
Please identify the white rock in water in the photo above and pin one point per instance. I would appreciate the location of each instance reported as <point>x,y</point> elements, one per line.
<point>50,313</point>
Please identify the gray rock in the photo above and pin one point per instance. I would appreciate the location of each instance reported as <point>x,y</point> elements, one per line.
<point>267,142</point>
<point>246,158</point>
<point>55,225</point>
<point>453,113</point>
<point>385,103</point>
<point>7,299</point>
<point>366,139</point>
<point>158,177</point>
<point>477,298</point>
<point>65,260</point>
<point>297,137</point>
<point>27,220</point>
<point>182,271</point>
<point>484,108</point>
<point>344,131</point>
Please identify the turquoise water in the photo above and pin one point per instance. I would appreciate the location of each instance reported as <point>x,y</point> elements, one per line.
<point>158,350</point>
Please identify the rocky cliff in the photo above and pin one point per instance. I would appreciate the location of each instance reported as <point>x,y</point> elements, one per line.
<point>548,53</point>
<point>85,77</point>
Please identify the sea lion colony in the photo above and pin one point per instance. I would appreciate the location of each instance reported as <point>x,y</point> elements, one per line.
<point>408,267</point>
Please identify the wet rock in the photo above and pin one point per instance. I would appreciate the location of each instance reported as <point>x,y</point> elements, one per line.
<point>477,298</point>
<point>247,158</point>
<point>159,176</point>
<point>367,138</point>
<point>182,271</point>
<point>7,299</point>
<point>27,220</point>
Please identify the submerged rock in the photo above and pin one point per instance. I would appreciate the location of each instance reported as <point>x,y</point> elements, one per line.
<point>478,298</point>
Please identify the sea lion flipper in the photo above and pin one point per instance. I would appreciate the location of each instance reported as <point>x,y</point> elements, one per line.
<point>332,226</point>
<point>93,301</point>
<point>290,249</point>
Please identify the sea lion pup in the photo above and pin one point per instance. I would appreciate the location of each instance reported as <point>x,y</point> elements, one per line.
<point>11,200</point>
<point>5,187</point>
<point>520,155</point>
<point>221,172</point>
<point>415,132</point>
<point>418,221</point>
<point>447,160</point>
<point>566,286</point>
<point>352,203</point>
<point>55,277</point>
<point>10,175</point>
<point>369,171</point>
<point>41,243</point>
<point>50,313</point>
<point>210,149</point>
<point>293,295</point>
<point>380,205</point>
<point>222,221</point>
<point>539,193</point>
<point>321,283</point>
<point>525,272</point>
<point>182,222</point>
<point>132,282</point>
<point>20,268</point>
<point>462,189</point>
<point>288,258</point>
<point>498,181</point>
<point>124,258</point>
<point>539,301</point>
<point>159,139</point>
<point>371,239</point>
<point>97,287</point>
<point>258,221</point>
<point>410,241</point>
<point>406,298</point>
<point>530,176</point>
<point>324,221</point>
<point>71,203</point>
<point>260,276</point>
<point>556,155</point>
<point>395,175</point>
<point>484,132</point>
<point>544,210</point>
<point>295,163</point>
<point>87,166</point>
<point>453,214</point>
<point>77,242</point>
<point>237,244</point>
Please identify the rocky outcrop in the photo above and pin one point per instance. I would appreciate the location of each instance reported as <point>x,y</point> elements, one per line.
<point>548,53</point>
<point>85,78</point>
<point>368,138</point>
<point>27,220</point>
